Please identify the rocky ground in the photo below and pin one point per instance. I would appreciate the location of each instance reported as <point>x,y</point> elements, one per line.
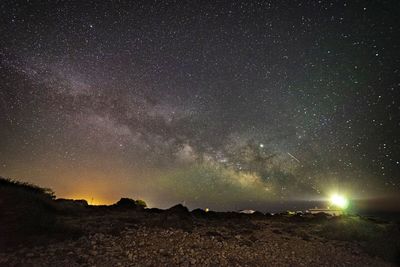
<point>131,238</point>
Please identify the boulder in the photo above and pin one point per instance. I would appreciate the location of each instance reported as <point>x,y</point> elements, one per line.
<point>179,210</point>
<point>154,210</point>
<point>257,215</point>
<point>199,213</point>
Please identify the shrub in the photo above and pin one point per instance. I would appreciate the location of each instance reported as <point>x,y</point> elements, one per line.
<point>130,203</point>
<point>381,240</point>
<point>28,211</point>
<point>141,203</point>
<point>31,188</point>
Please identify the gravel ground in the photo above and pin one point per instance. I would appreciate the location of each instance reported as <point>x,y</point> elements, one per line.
<point>203,245</point>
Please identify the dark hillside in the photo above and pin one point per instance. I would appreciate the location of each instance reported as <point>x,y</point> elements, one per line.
<point>28,214</point>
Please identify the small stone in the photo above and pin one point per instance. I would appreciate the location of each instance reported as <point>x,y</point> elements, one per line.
<point>130,256</point>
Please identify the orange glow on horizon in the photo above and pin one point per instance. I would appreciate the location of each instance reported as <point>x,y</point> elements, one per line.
<point>90,200</point>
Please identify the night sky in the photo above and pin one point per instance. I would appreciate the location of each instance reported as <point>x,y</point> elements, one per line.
<point>219,104</point>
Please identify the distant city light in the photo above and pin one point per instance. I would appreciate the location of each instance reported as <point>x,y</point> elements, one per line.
<point>339,201</point>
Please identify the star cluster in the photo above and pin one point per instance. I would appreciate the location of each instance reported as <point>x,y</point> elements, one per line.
<point>219,104</point>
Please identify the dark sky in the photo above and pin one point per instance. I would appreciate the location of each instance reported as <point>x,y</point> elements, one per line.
<point>219,104</point>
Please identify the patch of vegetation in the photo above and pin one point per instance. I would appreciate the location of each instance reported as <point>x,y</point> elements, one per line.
<point>141,203</point>
<point>130,203</point>
<point>29,213</point>
<point>378,239</point>
<point>27,187</point>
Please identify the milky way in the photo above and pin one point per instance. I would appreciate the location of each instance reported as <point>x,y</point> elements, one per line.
<point>215,104</point>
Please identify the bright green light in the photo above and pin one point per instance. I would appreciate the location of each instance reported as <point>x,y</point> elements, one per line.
<point>339,201</point>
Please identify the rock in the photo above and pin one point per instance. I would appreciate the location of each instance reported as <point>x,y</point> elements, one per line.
<point>252,238</point>
<point>257,215</point>
<point>276,231</point>
<point>213,233</point>
<point>154,210</point>
<point>130,256</point>
<point>179,210</point>
<point>213,242</point>
<point>199,213</point>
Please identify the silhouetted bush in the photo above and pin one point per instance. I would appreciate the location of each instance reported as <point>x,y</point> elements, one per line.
<point>27,211</point>
<point>141,203</point>
<point>73,202</point>
<point>381,240</point>
<point>128,203</point>
<point>8,182</point>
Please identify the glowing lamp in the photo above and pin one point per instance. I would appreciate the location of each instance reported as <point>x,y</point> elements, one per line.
<point>339,201</point>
